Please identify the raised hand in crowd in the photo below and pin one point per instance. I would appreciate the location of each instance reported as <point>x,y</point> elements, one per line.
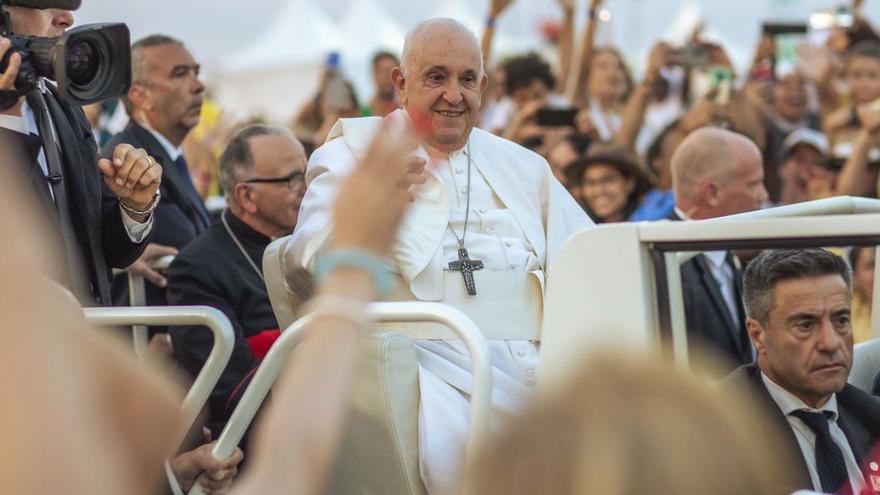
<point>856,177</point>
<point>524,126</point>
<point>637,105</point>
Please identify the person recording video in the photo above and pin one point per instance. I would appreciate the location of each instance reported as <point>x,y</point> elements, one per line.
<point>102,226</point>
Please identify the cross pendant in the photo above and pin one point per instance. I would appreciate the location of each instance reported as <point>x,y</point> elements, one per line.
<point>467,267</point>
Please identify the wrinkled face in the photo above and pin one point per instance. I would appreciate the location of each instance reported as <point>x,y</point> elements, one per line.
<point>863,79</point>
<point>743,190</point>
<point>174,91</point>
<point>382,76</point>
<point>607,76</point>
<point>443,82</point>
<point>790,97</point>
<point>806,345</point>
<point>863,273</point>
<point>535,91</point>
<point>277,155</point>
<point>39,22</point>
<point>605,191</point>
<point>560,157</point>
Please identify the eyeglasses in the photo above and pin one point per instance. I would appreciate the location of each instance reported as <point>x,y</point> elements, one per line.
<point>294,181</point>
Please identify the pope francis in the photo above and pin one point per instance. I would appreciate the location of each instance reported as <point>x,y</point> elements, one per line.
<point>479,236</point>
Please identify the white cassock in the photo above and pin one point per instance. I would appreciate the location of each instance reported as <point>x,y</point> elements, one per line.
<point>519,217</point>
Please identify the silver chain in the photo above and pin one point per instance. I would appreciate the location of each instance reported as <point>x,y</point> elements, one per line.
<point>467,210</point>
<point>240,247</point>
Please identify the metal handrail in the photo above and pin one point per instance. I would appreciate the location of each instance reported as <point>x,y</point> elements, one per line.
<point>385,312</point>
<point>775,227</point>
<point>221,350</point>
<point>137,297</point>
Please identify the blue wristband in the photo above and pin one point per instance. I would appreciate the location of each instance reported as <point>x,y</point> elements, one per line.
<point>490,22</point>
<point>356,258</point>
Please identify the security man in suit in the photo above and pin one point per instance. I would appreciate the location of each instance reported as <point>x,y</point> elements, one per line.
<point>799,303</point>
<point>715,173</point>
<point>102,226</point>
<point>164,103</point>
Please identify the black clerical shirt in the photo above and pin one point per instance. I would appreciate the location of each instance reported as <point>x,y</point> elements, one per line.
<point>212,271</point>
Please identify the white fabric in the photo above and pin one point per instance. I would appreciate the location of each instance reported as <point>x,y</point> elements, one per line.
<point>27,124</point>
<point>173,151</point>
<point>806,439</point>
<point>514,192</point>
<point>723,273</point>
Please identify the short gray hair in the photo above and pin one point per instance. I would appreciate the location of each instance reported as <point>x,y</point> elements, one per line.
<point>774,266</point>
<point>237,161</point>
<point>419,32</point>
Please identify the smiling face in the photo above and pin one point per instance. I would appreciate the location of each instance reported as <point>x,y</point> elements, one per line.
<point>442,81</point>
<point>806,343</point>
<point>605,191</point>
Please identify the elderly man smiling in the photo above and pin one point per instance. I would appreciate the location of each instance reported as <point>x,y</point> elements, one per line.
<point>482,229</point>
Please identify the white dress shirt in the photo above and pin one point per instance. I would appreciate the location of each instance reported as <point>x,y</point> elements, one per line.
<point>26,123</point>
<point>806,439</point>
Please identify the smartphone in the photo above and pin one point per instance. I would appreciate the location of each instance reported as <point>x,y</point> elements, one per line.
<point>689,56</point>
<point>556,117</point>
<point>778,28</point>
<point>721,78</point>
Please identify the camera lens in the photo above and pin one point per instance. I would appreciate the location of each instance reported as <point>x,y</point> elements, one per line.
<point>83,62</point>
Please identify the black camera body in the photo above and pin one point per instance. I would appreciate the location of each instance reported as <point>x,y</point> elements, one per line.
<point>89,63</point>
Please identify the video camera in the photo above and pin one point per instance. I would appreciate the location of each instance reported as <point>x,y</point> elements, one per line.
<point>89,63</point>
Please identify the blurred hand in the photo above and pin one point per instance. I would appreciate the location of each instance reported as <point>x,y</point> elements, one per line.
<point>496,7</point>
<point>7,78</point>
<point>372,200</point>
<point>595,4</point>
<point>869,116</point>
<point>523,124</point>
<point>820,182</point>
<point>701,114</point>
<point>143,266</point>
<point>657,59</point>
<point>566,4</point>
<point>718,56</point>
<point>133,176</point>
<point>214,476</point>
<point>584,123</point>
<point>766,48</point>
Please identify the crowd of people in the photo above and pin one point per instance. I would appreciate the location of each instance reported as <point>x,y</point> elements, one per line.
<point>458,181</point>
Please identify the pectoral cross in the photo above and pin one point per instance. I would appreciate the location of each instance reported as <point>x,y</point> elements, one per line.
<point>467,267</point>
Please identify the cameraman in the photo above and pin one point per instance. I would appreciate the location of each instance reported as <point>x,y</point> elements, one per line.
<point>102,227</point>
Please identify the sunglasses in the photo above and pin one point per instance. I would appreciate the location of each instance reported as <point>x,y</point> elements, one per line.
<point>294,181</point>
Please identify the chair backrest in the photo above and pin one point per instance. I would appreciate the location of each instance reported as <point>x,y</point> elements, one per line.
<point>380,451</point>
<point>866,365</point>
<point>282,300</point>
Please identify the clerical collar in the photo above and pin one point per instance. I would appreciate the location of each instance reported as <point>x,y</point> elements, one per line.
<point>173,153</point>
<point>245,231</point>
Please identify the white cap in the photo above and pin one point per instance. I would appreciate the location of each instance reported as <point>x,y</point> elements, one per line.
<point>807,136</point>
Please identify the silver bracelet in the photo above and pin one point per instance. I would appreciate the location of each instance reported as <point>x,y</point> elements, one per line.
<point>152,206</point>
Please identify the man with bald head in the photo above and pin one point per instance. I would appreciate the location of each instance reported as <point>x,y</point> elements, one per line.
<point>483,227</point>
<point>261,172</point>
<point>715,173</point>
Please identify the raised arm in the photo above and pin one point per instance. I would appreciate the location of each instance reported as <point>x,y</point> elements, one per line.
<point>496,7</point>
<point>566,43</point>
<point>637,105</point>
<point>578,91</point>
<point>855,178</point>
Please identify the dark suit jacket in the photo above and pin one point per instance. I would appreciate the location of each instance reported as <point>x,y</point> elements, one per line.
<point>101,237</point>
<point>177,218</point>
<point>858,417</point>
<point>709,323</point>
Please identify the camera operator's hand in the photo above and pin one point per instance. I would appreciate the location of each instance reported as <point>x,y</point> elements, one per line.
<point>7,78</point>
<point>133,176</point>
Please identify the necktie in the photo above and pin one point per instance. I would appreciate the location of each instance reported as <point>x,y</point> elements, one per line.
<point>829,458</point>
<point>190,190</point>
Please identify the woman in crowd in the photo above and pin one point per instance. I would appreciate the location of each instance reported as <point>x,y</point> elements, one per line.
<point>862,261</point>
<point>611,180</point>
